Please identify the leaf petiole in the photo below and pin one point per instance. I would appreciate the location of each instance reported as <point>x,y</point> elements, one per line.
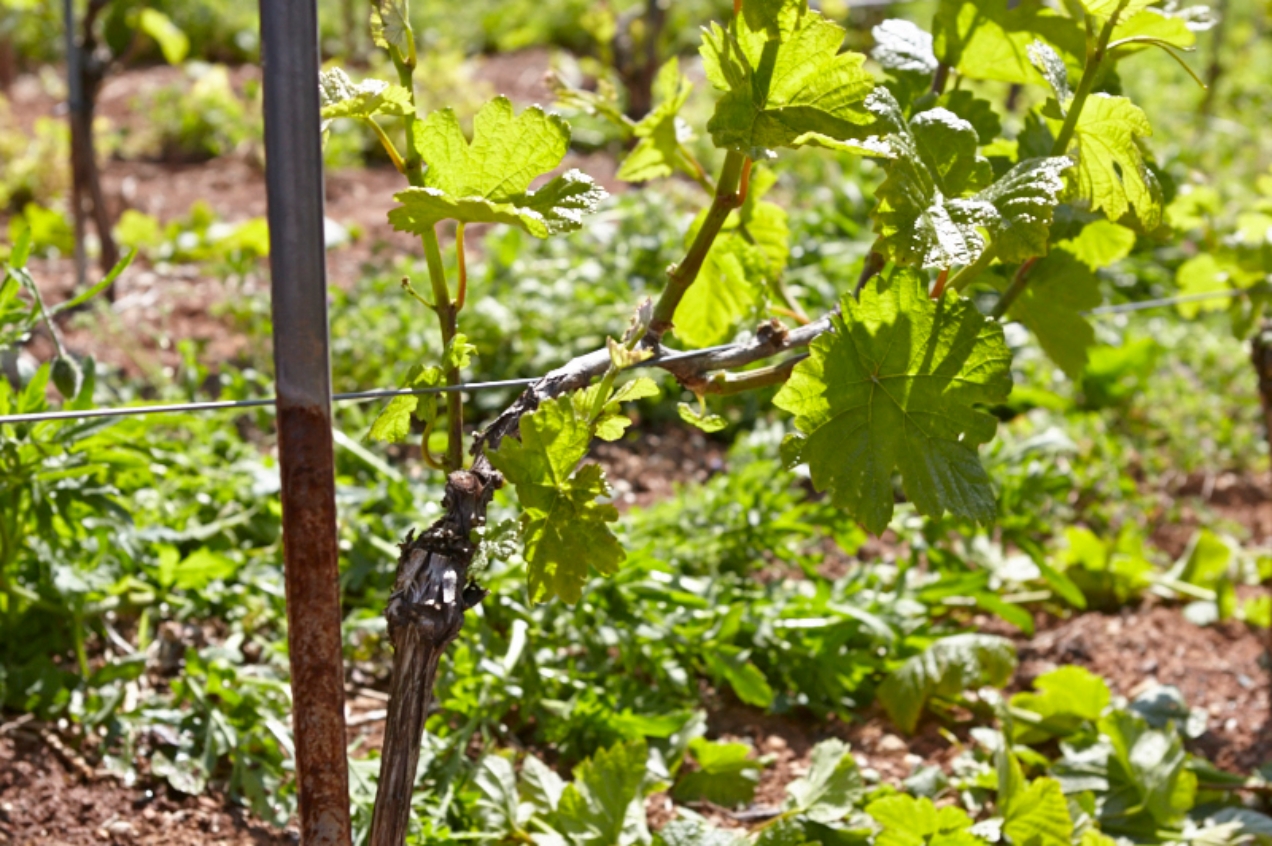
<point>938,290</point>
<point>463,268</point>
<point>1167,47</point>
<point>968,274</point>
<point>387,143</point>
<point>426,453</point>
<point>1018,283</point>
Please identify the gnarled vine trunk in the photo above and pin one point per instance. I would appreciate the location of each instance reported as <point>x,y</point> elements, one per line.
<point>425,613</point>
<point>1261,358</point>
<point>87,71</point>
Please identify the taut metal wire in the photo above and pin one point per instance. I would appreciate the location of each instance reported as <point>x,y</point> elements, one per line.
<point>474,387</point>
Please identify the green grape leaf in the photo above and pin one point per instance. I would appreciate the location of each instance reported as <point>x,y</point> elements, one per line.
<point>642,387</point>
<point>391,28</point>
<point>1101,243</point>
<point>831,788</point>
<point>703,421</point>
<point>458,353</point>
<point>603,806</point>
<point>1052,67</point>
<point>1025,199</point>
<point>919,215</point>
<point>602,103</point>
<point>763,224</point>
<point>901,45</point>
<point>726,775</point>
<point>1059,289</point>
<point>984,39</point>
<point>394,423</point>
<point>947,668</point>
<point>661,132</point>
<point>340,97</point>
<point>946,144</point>
<point>611,427</point>
<point>1035,140</point>
<point>1111,173</point>
<point>894,386</point>
<point>784,79</point>
<point>564,529</point>
<point>611,424</point>
<point>488,181</point>
<point>557,207</point>
<point>720,296</point>
<point>1124,8</point>
<point>979,113</point>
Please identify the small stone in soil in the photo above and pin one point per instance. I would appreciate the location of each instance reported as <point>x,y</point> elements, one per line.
<point>890,744</point>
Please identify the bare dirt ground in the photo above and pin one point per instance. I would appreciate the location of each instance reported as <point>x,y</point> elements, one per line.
<point>45,801</point>
<point>1220,669</point>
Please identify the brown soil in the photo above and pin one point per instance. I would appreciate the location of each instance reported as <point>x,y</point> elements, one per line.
<point>1221,669</point>
<point>43,800</point>
<point>650,469</point>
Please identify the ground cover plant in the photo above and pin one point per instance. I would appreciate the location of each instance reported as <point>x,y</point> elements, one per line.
<point>741,634</point>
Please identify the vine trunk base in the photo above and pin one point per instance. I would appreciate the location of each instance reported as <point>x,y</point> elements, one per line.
<point>425,614</point>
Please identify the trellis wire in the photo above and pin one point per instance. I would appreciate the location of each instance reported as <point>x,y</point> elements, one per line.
<point>475,387</point>
<point>1145,305</point>
<point>356,396</point>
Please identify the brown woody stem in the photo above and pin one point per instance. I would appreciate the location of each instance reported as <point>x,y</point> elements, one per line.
<point>425,614</point>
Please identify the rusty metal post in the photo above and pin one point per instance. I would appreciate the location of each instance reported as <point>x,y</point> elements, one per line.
<point>302,367</point>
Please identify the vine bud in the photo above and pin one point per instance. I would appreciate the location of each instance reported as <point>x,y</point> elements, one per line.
<point>67,376</point>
